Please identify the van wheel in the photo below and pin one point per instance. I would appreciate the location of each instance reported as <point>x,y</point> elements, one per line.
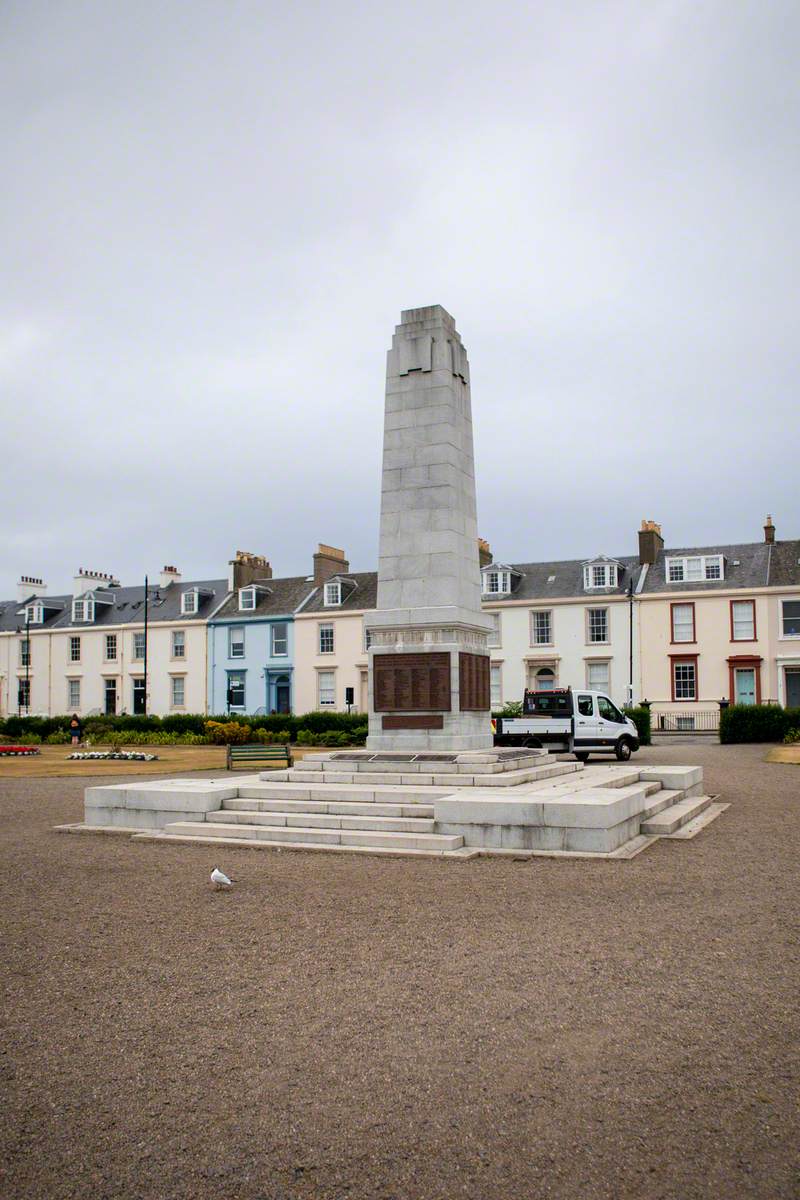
<point>532,743</point>
<point>623,750</point>
<point>581,755</point>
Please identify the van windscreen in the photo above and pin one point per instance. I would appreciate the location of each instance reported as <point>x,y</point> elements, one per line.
<point>548,704</point>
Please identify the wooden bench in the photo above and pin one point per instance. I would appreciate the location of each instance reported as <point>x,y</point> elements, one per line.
<point>250,755</point>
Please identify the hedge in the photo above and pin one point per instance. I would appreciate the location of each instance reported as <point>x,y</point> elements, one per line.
<point>101,727</point>
<point>757,723</point>
<point>641,719</point>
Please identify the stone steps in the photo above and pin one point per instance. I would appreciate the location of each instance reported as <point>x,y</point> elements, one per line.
<point>311,820</point>
<point>306,835</point>
<point>352,808</point>
<point>449,782</point>
<point>461,853</point>
<point>394,794</point>
<point>675,815</point>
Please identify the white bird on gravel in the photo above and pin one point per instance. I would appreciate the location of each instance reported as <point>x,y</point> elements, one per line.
<point>219,879</point>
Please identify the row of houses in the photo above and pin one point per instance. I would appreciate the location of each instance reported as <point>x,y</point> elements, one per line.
<point>683,628</point>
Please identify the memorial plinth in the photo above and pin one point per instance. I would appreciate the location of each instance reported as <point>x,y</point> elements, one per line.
<point>428,659</point>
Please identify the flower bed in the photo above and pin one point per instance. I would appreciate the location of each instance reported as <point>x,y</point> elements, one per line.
<point>105,755</point>
<point>19,750</point>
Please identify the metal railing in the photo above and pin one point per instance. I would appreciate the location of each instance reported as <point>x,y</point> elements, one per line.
<point>701,721</point>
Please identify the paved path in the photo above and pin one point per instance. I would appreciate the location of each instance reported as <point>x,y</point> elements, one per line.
<point>364,1028</point>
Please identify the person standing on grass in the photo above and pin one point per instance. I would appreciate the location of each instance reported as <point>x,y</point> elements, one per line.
<point>76,730</point>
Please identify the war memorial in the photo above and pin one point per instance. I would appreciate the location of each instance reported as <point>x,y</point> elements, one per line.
<point>430,782</point>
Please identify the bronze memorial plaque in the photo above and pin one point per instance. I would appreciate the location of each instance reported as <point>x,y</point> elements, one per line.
<point>411,682</point>
<point>474,693</point>
<point>426,721</point>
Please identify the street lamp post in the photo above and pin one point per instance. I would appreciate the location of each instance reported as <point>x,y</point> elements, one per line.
<point>145,646</point>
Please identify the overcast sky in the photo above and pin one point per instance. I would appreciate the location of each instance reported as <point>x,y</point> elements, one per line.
<point>213,212</point>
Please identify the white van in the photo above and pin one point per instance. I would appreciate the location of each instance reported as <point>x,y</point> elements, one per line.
<point>581,722</point>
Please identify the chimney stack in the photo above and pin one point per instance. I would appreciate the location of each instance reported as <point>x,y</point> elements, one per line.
<point>87,581</point>
<point>769,532</point>
<point>328,561</point>
<point>247,568</point>
<point>30,585</point>
<point>651,543</point>
<point>484,552</point>
<point>169,575</point>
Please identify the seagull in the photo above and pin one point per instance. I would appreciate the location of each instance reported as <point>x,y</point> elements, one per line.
<point>219,879</point>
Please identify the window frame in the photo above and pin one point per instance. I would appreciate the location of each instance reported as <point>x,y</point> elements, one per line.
<point>610,575</point>
<point>332,593</point>
<point>174,681</point>
<point>187,609</point>
<point>703,559</point>
<point>74,645</point>
<point>72,704</point>
<point>136,635</point>
<point>754,636</point>
<point>495,635</point>
<point>783,635</point>
<point>673,641</point>
<point>232,630</point>
<point>590,641</point>
<point>326,704</point>
<point>250,593</point>
<point>175,645</point>
<point>534,613</point>
<point>495,675</point>
<point>34,615</point>
<point>326,625</point>
<point>503,582</point>
<point>598,662</point>
<point>25,655</point>
<point>106,639</point>
<point>676,660</point>
<point>273,653</point>
<point>242,676</point>
<point>24,691</point>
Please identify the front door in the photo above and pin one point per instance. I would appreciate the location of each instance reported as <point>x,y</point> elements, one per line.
<point>793,687</point>
<point>283,694</point>
<point>111,697</point>
<point>138,697</point>
<point>745,685</point>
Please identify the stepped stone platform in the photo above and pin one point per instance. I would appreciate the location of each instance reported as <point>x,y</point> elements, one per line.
<point>454,806</point>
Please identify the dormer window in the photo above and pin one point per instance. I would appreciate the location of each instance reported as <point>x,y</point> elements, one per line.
<point>34,614</point>
<point>189,603</point>
<point>83,609</point>
<point>695,569</point>
<point>496,583</point>
<point>333,593</point>
<point>600,575</point>
<point>247,599</point>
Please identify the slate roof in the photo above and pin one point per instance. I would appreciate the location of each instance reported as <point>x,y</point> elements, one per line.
<point>127,607</point>
<point>363,596</point>
<point>784,566</point>
<point>534,582</point>
<point>283,597</point>
<point>746,566</point>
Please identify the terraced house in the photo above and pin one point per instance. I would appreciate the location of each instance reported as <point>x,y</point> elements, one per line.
<point>251,640</point>
<point>718,623</point>
<point>86,652</point>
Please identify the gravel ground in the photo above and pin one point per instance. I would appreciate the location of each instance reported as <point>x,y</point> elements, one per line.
<point>358,1027</point>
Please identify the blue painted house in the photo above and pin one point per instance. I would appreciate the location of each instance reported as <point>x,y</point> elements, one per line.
<point>251,640</point>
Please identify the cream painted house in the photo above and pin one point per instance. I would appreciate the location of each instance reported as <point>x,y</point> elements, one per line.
<point>719,623</point>
<point>330,644</point>
<point>85,652</point>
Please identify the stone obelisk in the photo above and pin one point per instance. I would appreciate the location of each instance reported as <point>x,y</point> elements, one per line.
<point>428,660</point>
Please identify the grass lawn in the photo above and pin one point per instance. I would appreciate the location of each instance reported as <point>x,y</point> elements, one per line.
<point>52,762</point>
<point>784,754</point>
